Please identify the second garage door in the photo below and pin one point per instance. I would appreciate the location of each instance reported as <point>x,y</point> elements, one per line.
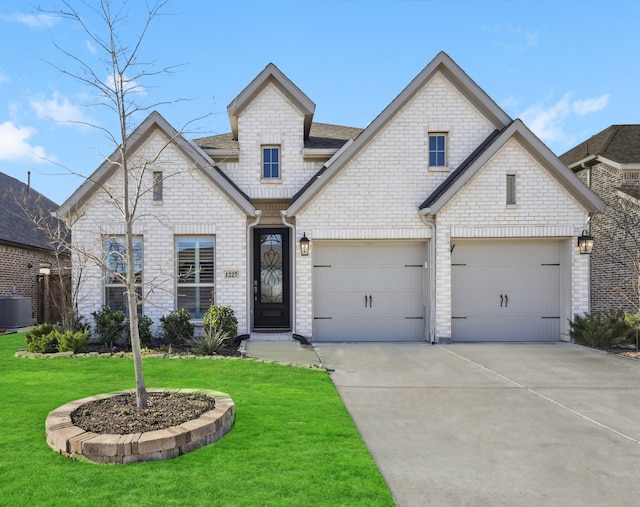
<point>506,290</point>
<point>369,291</point>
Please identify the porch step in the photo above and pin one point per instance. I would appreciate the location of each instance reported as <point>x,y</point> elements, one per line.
<point>260,336</point>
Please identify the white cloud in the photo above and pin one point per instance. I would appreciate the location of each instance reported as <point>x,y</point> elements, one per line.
<point>548,122</point>
<point>129,85</point>
<point>90,47</point>
<point>15,146</point>
<point>31,20</point>
<point>4,77</point>
<point>59,109</point>
<point>582,107</point>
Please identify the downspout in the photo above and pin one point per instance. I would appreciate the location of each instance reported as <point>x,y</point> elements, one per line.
<point>430,222</point>
<point>292,247</point>
<point>258,215</point>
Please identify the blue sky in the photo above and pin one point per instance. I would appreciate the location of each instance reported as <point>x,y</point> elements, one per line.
<point>567,68</point>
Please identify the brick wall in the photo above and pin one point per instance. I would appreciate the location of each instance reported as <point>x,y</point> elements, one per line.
<point>17,278</point>
<point>614,276</point>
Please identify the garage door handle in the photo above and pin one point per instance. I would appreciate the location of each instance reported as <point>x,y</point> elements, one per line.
<point>370,302</point>
<point>506,300</point>
<point>365,300</point>
<point>501,300</point>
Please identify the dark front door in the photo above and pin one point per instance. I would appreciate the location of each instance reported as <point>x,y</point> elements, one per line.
<point>271,278</point>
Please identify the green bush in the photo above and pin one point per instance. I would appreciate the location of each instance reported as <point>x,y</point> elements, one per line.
<point>210,343</point>
<point>75,342</point>
<point>220,318</point>
<point>600,331</point>
<point>110,325</point>
<point>177,327</point>
<point>43,339</point>
<point>144,330</point>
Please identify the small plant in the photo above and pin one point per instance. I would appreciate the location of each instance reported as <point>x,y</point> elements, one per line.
<point>209,344</point>
<point>599,331</point>
<point>221,318</point>
<point>42,339</point>
<point>110,325</point>
<point>177,327</point>
<point>144,330</point>
<point>75,342</point>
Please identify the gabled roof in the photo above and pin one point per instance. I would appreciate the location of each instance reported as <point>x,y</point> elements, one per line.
<point>19,206</point>
<point>441,63</point>
<point>199,158</point>
<point>538,150</point>
<point>617,143</point>
<point>271,74</point>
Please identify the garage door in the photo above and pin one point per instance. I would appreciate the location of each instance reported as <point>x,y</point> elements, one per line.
<point>505,291</point>
<point>368,291</point>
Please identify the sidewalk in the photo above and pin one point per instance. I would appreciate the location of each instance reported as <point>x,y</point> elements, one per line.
<point>285,352</point>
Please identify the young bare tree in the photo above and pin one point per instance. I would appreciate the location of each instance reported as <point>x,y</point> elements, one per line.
<point>119,51</point>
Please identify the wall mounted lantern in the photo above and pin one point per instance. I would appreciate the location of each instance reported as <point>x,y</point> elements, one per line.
<point>304,245</point>
<point>45,268</point>
<point>585,243</point>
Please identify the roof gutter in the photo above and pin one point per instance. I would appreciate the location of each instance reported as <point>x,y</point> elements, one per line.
<point>292,283</point>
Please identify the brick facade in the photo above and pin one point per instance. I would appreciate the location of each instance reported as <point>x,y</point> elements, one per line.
<point>615,266</point>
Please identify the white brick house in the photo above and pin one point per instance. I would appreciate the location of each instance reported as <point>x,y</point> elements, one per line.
<point>444,219</point>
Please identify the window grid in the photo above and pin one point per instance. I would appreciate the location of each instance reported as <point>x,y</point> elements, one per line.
<point>270,162</point>
<point>116,271</point>
<point>437,150</point>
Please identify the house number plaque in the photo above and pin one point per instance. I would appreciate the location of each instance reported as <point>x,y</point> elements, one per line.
<point>232,273</point>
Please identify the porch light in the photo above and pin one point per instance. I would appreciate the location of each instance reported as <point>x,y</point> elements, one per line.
<point>304,245</point>
<point>585,243</point>
<point>45,269</point>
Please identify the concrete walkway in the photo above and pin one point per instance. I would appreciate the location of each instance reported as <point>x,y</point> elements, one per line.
<point>495,424</point>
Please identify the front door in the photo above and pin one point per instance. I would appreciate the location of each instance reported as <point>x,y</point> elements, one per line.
<point>271,279</point>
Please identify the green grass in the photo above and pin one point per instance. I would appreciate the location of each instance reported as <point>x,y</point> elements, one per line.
<point>293,442</point>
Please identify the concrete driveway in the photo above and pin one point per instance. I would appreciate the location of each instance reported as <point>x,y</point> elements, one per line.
<point>495,424</point>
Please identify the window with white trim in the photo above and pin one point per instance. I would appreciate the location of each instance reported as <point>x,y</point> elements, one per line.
<point>270,162</point>
<point>195,274</point>
<point>115,272</point>
<point>437,149</point>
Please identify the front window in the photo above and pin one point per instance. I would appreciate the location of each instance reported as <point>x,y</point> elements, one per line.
<point>270,162</point>
<point>195,274</point>
<point>115,263</point>
<point>437,150</point>
<point>157,186</point>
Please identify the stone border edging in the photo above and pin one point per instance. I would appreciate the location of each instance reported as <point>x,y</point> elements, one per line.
<point>74,442</point>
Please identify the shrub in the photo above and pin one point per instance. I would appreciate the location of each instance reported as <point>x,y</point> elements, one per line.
<point>75,342</point>
<point>42,339</point>
<point>220,318</point>
<point>144,330</point>
<point>598,331</point>
<point>110,325</point>
<point>177,327</point>
<point>210,343</point>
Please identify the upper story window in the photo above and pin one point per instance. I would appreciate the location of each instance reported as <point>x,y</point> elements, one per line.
<point>157,186</point>
<point>437,149</point>
<point>270,162</point>
<point>511,189</point>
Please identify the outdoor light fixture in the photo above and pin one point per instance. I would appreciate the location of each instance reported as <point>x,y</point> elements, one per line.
<point>304,245</point>
<point>585,243</point>
<point>45,268</point>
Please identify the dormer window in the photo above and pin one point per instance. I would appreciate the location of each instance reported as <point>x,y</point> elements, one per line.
<point>271,162</point>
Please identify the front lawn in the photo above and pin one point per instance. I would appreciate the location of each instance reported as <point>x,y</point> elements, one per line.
<point>293,442</point>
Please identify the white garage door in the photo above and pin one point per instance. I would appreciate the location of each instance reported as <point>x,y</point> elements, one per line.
<point>505,291</point>
<point>368,291</point>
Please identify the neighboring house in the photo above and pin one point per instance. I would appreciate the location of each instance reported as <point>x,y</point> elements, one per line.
<point>609,163</point>
<point>443,220</point>
<point>25,247</point>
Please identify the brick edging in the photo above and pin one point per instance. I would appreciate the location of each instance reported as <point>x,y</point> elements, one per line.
<point>72,441</point>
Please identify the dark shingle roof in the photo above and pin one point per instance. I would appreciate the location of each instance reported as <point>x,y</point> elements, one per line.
<point>18,204</point>
<point>619,143</point>
<point>321,135</point>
